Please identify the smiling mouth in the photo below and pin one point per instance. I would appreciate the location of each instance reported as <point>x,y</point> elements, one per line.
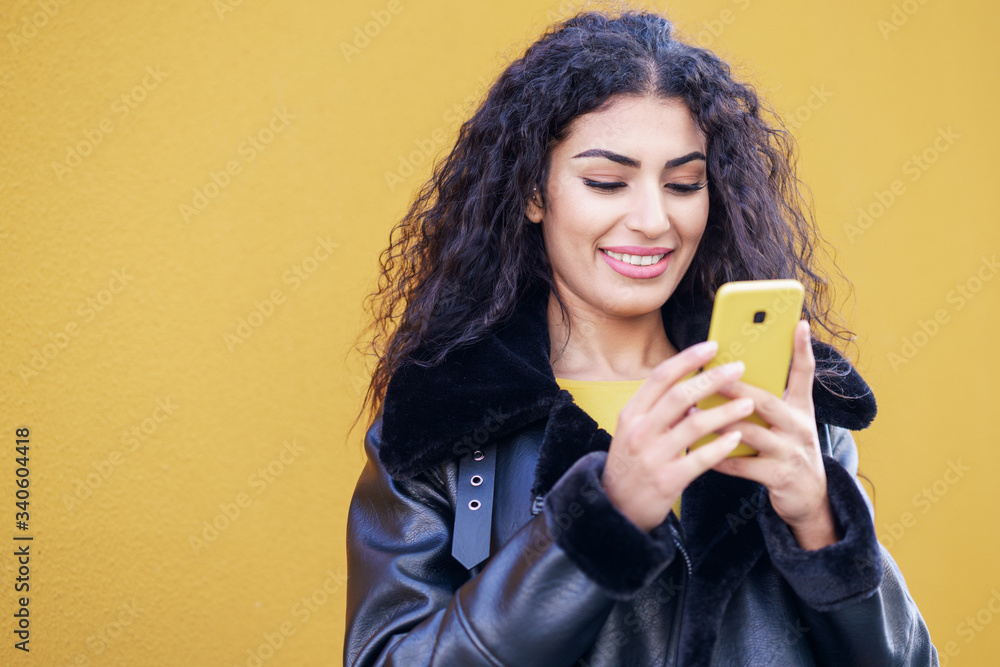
<point>635,260</point>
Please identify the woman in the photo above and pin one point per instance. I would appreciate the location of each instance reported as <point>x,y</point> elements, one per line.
<point>529,498</point>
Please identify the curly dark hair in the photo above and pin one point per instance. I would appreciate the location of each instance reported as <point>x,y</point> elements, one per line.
<point>459,260</point>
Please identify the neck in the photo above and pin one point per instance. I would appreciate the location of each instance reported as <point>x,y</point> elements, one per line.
<point>599,346</point>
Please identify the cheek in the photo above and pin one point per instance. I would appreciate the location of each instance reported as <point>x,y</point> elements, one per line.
<point>559,189</point>
<point>571,231</point>
<point>569,248</point>
<point>692,220</point>
<point>560,244</point>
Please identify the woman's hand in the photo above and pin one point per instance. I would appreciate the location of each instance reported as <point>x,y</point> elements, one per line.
<point>646,468</point>
<point>789,462</point>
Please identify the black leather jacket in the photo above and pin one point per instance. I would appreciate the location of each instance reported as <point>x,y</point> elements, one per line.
<point>567,579</point>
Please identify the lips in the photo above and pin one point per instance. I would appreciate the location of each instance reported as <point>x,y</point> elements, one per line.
<point>637,250</point>
<point>631,270</point>
<point>635,259</point>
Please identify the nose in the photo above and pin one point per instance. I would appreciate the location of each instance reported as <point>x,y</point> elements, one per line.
<point>650,214</point>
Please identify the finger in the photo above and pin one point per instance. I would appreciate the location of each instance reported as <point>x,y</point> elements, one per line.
<point>761,438</point>
<point>675,402</point>
<point>691,429</point>
<point>755,468</point>
<point>767,406</point>
<point>668,373</point>
<point>704,458</point>
<point>800,378</point>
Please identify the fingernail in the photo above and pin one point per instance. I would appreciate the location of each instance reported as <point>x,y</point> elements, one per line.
<point>745,404</point>
<point>707,347</point>
<point>733,369</point>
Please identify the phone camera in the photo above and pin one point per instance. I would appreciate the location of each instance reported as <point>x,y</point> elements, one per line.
<point>758,317</point>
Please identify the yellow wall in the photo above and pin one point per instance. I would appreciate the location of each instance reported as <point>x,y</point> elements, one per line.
<point>159,403</point>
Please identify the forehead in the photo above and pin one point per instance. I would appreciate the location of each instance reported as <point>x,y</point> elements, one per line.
<point>649,125</point>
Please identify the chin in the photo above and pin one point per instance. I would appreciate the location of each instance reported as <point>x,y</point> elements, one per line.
<point>624,306</point>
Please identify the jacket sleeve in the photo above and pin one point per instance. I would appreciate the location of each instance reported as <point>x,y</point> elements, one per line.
<point>851,594</point>
<point>540,599</point>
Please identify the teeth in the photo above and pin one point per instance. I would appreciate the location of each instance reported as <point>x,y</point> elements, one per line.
<point>635,260</point>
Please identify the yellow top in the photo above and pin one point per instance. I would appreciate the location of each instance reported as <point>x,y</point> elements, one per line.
<point>603,400</point>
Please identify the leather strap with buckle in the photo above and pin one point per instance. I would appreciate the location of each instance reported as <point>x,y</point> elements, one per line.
<point>474,513</point>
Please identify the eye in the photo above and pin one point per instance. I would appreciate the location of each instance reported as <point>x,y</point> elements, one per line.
<point>602,185</point>
<point>682,188</point>
<point>679,188</point>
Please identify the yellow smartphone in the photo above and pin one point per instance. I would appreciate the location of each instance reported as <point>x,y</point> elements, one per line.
<point>754,320</point>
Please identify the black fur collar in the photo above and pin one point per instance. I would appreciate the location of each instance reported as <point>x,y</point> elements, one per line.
<point>489,389</point>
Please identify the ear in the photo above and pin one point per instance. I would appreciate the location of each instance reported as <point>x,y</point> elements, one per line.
<point>533,210</point>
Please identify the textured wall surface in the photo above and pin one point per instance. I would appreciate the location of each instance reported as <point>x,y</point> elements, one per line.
<point>193,196</point>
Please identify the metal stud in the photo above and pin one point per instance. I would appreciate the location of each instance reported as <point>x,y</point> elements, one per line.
<point>477,455</point>
<point>474,504</point>
<point>476,480</point>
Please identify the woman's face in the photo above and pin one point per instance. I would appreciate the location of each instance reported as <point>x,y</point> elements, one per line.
<point>625,187</point>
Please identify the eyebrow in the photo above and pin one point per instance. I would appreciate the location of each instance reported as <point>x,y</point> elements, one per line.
<point>632,162</point>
